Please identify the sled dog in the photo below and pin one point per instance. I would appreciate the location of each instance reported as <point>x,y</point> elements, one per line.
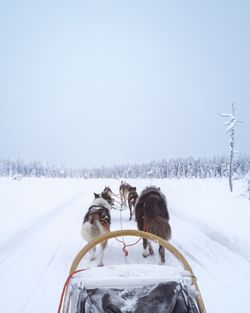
<point>124,190</point>
<point>97,222</point>
<point>152,215</point>
<point>132,197</point>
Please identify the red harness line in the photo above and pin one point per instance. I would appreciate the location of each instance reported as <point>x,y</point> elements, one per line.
<point>124,249</point>
<point>66,285</point>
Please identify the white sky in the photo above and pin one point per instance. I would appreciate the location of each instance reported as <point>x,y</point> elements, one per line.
<point>91,83</point>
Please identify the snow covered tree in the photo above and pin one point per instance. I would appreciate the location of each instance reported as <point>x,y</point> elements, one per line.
<point>231,123</point>
<point>248,188</point>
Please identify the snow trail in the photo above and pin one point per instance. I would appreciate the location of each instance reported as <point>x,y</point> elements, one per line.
<point>35,264</point>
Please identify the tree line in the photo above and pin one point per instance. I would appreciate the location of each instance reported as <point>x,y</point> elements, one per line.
<point>217,166</point>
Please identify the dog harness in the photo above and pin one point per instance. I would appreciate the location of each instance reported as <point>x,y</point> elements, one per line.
<point>102,211</point>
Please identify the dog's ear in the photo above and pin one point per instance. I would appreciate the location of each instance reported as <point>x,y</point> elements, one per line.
<point>96,195</point>
<point>134,188</point>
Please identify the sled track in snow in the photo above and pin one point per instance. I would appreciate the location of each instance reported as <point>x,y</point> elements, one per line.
<point>9,246</point>
<point>216,237</point>
<point>228,244</point>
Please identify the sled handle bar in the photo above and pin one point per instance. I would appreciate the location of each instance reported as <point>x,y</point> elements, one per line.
<point>138,233</point>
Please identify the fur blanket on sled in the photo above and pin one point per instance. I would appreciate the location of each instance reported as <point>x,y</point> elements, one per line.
<point>169,297</point>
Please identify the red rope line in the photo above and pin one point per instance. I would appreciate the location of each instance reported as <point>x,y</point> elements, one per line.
<point>124,249</point>
<point>65,286</point>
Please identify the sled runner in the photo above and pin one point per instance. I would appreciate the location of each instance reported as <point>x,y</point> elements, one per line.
<point>137,288</point>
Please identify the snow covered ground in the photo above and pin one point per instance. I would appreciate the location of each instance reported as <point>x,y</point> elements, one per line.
<point>40,235</point>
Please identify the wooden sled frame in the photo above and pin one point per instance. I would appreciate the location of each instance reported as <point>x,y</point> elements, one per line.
<point>149,236</point>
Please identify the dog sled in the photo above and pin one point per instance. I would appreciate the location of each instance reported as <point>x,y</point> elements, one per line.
<point>127,288</point>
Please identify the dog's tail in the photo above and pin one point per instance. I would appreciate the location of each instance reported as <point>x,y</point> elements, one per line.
<point>159,227</point>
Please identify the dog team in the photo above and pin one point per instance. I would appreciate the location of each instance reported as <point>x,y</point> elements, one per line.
<point>150,210</point>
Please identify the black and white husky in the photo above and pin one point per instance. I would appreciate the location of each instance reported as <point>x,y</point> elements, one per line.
<point>97,222</point>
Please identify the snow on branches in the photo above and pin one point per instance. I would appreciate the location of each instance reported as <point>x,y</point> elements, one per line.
<point>231,123</point>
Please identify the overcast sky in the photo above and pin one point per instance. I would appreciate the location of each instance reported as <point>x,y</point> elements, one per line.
<point>92,83</point>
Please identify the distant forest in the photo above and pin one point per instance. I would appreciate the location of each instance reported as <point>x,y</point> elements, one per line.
<point>173,168</point>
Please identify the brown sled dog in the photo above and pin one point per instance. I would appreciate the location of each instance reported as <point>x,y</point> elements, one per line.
<point>132,197</point>
<point>151,215</point>
<point>124,190</point>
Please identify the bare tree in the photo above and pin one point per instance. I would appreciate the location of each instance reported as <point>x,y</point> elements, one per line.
<point>231,123</point>
<point>248,188</point>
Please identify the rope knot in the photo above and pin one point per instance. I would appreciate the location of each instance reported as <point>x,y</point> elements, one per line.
<point>125,250</point>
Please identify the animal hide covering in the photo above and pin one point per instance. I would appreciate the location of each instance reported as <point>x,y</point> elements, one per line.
<point>170,297</point>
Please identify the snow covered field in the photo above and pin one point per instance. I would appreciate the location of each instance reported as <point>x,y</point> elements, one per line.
<point>40,235</point>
